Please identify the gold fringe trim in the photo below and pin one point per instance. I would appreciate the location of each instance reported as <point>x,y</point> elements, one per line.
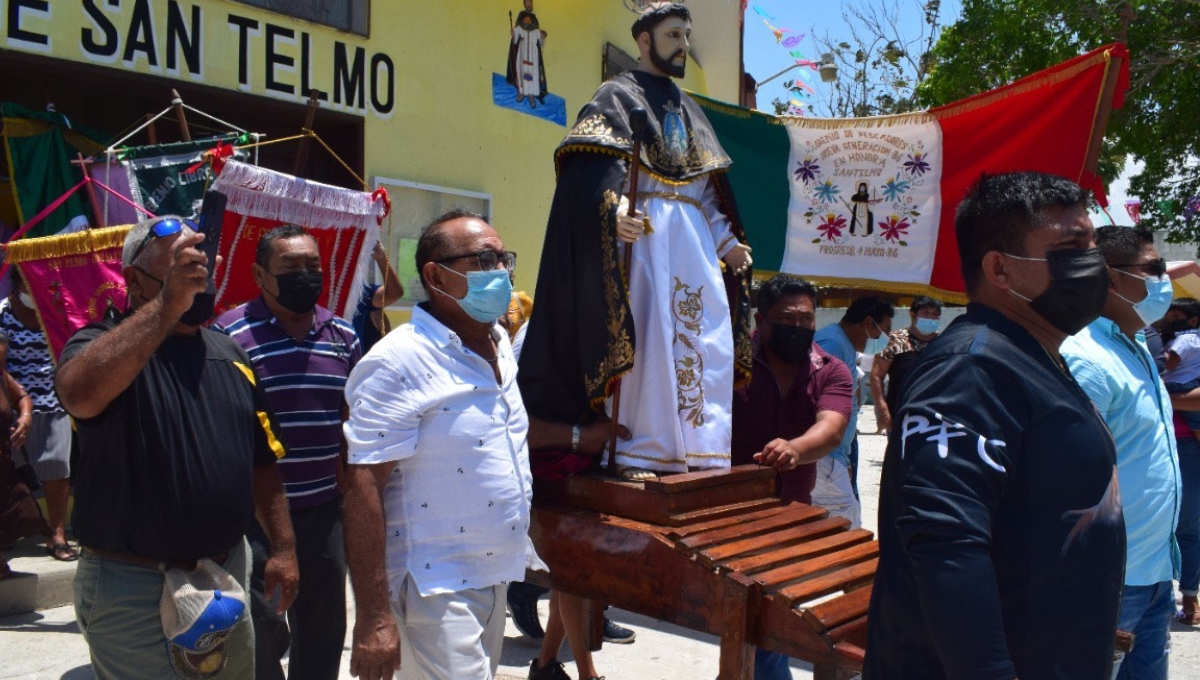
<point>83,242</point>
<point>18,128</point>
<point>915,117</point>
<point>12,181</point>
<point>1027,84</point>
<point>87,146</point>
<point>668,461</point>
<point>23,127</point>
<point>587,148</point>
<point>948,296</point>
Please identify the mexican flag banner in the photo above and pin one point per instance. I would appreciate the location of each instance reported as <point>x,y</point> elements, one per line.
<point>869,202</point>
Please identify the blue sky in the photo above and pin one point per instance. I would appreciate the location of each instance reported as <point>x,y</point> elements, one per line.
<point>764,56</point>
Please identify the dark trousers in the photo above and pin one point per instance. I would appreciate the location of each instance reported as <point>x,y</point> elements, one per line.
<point>317,619</point>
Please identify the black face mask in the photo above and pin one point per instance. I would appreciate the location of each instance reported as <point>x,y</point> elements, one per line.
<point>1078,289</point>
<point>202,307</point>
<point>298,291</point>
<point>790,344</point>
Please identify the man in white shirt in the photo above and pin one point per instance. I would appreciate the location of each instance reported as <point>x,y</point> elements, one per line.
<point>438,482</point>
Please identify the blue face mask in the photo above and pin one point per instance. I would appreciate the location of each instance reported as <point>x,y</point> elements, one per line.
<point>876,345</point>
<point>1158,297</point>
<point>928,326</point>
<point>488,294</point>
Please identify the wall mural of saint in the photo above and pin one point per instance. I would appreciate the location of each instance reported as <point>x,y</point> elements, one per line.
<point>523,86</point>
<point>526,71</point>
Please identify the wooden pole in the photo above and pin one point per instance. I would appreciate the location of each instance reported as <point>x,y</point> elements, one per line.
<point>310,115</point>
<point>97,217</point>
<point>638,124</point>
<point>180,115</point>
<point>1103,111</point>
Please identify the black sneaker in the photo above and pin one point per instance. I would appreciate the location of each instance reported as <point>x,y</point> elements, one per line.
<point>554,671</point>
<point>522,602</point>
<point>617,634</point>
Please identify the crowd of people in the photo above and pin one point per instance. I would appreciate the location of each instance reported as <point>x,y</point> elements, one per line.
<point>1034,499</point>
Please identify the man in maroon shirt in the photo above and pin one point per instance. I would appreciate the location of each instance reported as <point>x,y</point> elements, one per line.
<point>796,407</point>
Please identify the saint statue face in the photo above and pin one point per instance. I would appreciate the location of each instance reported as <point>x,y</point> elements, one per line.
<point>528,5</point>
<point>669,45</point>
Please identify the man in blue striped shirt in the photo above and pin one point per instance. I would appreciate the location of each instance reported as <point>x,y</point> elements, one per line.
<point>302,354</point>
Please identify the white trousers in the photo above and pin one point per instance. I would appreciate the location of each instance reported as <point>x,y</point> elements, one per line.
<point>833,492</point>
<point>452,636</point>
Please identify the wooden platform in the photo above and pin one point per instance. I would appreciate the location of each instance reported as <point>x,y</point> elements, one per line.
<point>715,551</point>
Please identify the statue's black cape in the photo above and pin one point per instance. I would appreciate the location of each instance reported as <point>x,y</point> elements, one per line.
<point>581,335</point>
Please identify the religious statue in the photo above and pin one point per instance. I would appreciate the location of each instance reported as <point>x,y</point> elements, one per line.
<point>526,71</point>
<point>677,334</point>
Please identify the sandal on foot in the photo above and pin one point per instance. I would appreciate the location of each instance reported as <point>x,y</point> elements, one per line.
<point>62,552</point>
<point>629,473</point>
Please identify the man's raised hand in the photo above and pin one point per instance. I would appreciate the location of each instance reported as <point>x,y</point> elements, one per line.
<point>187,273</point>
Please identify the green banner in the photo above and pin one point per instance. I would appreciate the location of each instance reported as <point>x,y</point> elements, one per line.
<point>40,147</point>
<point>759,147</point>
<point>164,182</point>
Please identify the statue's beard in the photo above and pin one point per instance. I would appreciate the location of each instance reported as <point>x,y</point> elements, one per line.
<point>667,66</point>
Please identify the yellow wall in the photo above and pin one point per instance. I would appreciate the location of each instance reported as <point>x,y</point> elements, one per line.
<point>443,128</point>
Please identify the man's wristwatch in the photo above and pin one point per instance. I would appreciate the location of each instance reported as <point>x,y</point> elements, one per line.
<point>575,438</point>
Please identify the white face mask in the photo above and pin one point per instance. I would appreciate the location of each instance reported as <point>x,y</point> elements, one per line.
<point>26,299</point>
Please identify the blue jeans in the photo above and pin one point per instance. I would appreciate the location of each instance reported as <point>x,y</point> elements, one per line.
<point>117,608</point>
<point>771,665</point>
<point>1188,532</point>
<point>1146,611</point>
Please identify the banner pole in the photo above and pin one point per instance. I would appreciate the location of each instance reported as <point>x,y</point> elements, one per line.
<point>1104,108</point>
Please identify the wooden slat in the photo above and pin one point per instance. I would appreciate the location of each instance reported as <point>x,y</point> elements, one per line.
<point>709,478</point>
<point>769,542</point>
<point>833,613</point>
<point>795,515</point>
<point>709,514</point>
<point>843,579</point>
<point>851,653</point>
<point>814,547</point>
<point>680,532</point>
<point>810,568</point>
<point>854,630</point>
<point>688,500</point>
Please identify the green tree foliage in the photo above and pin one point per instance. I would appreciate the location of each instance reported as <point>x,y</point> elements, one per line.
<point>882,56</point>
<point>995,42</point>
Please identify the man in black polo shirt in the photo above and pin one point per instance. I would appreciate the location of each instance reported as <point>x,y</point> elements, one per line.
<point>177,453</point>
<point>1002,542</point>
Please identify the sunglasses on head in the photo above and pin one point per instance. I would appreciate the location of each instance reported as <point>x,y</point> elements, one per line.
<point>162,229</point>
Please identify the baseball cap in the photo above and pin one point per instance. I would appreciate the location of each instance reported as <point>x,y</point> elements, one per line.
<point>199,609</point>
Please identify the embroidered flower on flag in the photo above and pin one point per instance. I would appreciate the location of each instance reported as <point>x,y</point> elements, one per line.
<point>895,189</point>
<point>831,227</point>
<point>894,228</point>
<point>916,164</point>
<point>827,191</point>
<point>808,170</point>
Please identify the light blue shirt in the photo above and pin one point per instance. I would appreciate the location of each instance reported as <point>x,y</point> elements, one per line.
<point>1119,376</point>
<point>834,341</point>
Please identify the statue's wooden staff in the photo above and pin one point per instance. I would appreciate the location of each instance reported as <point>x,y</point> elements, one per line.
<point>639,124</point>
